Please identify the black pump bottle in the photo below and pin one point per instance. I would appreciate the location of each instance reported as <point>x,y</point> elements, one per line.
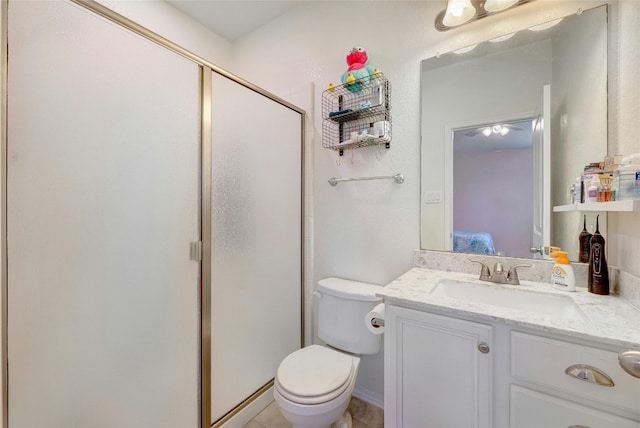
<point>598,270</point>
<point>584,240</point>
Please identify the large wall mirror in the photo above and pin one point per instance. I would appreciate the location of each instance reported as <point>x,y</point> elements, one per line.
<point>507,126</point>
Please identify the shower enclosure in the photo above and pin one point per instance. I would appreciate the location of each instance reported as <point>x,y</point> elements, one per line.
<point>153,222</point>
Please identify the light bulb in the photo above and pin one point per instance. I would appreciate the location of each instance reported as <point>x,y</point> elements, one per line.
<point>458,12</point>
<point>457,9</point>
<point>486,132</point>
<point>493,6</point>
<point>504,131</point>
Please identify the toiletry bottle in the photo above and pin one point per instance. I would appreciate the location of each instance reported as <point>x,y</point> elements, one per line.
<point>584,240</point>
<point>579,195</point>
<point>562,276</point>
<point>550,252</point>
<point>592,192</point>
<point>598,280</point>
<point>572,194</point>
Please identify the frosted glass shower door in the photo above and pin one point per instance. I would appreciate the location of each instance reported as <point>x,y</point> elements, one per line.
<point>256,241</point>
<point>103,204</point>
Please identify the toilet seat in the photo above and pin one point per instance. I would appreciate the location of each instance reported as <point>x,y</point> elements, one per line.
<point>314,375</point>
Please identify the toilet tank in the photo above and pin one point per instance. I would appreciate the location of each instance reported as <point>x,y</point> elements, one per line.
<point>342,309</point>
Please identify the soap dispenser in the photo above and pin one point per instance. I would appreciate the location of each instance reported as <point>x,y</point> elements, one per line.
<point>584,239</point>
<point>562,276</point>
<point>598,280</point>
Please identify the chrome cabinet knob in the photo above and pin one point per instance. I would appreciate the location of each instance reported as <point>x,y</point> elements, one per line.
<point>589,374</point>
<point>630,362</point>
<point>483,347</point>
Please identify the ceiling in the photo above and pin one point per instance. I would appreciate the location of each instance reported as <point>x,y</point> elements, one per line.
<point>232,19</point>
<point>520,137</point>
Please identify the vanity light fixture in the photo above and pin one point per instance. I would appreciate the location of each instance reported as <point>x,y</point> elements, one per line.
<point>460,12</point>
<point>494,6</point>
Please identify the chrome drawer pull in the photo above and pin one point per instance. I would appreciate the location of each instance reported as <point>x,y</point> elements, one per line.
<point>630,362</point>
<point>589,374</point>
<point>483,347</point>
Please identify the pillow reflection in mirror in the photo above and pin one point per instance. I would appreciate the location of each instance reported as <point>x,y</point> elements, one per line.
<point>473,242</point>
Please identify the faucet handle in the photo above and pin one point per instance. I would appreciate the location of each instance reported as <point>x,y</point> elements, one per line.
<point>485,274</point>
<point>512,276</point>
<point>497,268</point>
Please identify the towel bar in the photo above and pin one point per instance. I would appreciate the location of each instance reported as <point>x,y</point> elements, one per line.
<point>398,178</point>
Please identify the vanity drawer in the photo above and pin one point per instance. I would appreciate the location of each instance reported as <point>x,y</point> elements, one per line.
<point>543,361</point>
<point>531,409</point>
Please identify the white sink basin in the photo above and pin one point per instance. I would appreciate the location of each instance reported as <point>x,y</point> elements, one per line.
<point>549,304</point>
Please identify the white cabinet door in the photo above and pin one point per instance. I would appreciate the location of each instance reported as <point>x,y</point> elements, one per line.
<point>530,409</point>
<point>435,374</point>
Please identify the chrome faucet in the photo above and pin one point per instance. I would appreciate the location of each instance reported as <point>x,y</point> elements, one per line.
<point>499,276</point>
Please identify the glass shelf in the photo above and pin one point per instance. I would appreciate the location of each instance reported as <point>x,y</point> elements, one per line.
<point>620,206</point>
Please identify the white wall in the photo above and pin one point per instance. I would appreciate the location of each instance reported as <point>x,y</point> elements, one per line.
<point>490,188</point>
<point>577,99</point>
<point>367,231</point>
<point>624,116</point>
<point>172,24</point>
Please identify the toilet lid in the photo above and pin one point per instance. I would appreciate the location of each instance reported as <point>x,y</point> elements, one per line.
<point>314,374</point>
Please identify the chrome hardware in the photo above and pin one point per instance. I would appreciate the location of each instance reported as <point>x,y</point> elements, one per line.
<point>485,274</point>
<point>579,426</point>
<point>630,362</point>
<point>512,275</point>
<point>542,250</point>
<point>195,252</point>
<point>589,374</point>
<point>483,347</point>
<point>499,276</point>
<point>377,322</point>
<point>398,178</point>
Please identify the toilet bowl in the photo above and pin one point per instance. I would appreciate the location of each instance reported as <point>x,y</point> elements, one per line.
<point>313,386</point>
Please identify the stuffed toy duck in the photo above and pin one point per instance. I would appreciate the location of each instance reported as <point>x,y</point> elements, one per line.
<point>357,60</point>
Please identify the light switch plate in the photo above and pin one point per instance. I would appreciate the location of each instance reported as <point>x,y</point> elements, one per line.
<point>432,197</point>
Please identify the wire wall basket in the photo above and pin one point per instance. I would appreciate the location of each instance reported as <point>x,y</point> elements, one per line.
<point>357,114</point>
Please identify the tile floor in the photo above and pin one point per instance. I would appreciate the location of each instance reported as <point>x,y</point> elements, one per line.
<point>364,415</point>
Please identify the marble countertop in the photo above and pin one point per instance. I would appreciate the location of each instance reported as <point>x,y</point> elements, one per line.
<point>610,319</point>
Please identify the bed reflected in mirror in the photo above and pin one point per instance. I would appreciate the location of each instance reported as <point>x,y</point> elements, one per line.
<point>493,188</point>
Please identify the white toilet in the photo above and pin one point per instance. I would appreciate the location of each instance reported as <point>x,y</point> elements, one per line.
<point>313,385</point>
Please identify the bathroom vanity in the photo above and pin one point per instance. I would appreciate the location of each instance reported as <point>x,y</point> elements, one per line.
<point>461,352</point>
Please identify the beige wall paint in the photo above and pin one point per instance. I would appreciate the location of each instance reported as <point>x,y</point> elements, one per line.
<point>172,24</point>
<point>367,231</point>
